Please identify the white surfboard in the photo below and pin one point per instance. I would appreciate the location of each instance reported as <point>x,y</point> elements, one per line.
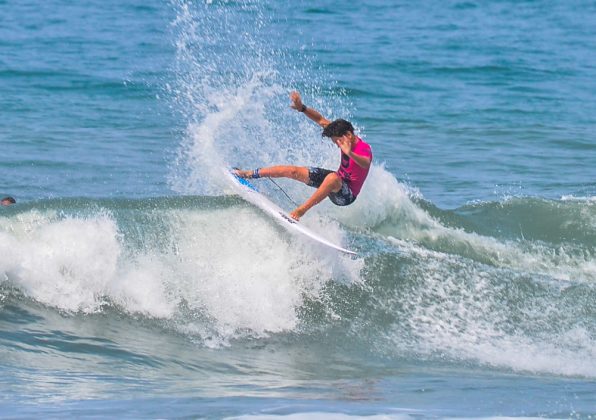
<point>249,192</point>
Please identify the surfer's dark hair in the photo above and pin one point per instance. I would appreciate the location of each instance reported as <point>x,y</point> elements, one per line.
<point>338,128</point>
<point>9,199</point>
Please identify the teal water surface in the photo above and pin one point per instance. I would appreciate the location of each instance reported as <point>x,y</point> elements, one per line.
<point>133,284</point>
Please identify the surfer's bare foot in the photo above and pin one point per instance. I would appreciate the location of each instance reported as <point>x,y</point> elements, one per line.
<point>242,174</point>
<point>297,213</point>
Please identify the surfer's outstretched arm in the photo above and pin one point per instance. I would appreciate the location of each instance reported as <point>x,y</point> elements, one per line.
<point>311,113</point>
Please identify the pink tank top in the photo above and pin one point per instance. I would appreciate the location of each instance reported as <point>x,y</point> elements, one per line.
<point>353,174</point>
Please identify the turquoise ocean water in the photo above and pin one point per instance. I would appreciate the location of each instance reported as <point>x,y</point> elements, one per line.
<point>133,284</point>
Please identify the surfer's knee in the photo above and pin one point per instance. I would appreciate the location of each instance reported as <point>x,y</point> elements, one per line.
<point>333,179</point>
<point>299,173</point>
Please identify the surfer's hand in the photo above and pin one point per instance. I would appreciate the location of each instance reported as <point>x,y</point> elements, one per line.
<point>344,144</point>
<point>296,101</point>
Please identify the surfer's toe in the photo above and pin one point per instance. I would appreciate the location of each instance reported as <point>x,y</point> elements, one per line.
<point>297,213</point>
<point>240,173</point>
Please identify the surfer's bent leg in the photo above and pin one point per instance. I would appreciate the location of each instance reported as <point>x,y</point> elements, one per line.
<point>331,184</point>
<point>341,197</point>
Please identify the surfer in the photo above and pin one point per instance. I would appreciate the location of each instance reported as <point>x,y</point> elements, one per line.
<point>7,201</point>
<point>341,186</point>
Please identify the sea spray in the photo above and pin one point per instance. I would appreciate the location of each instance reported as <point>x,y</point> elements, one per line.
<point>240,117</point>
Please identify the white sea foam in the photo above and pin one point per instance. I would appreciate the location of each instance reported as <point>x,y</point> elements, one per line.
<point>66,263</point>
<point>383,197</point>
<point>588,199</point>
<point>233,267</point>
<point>459,310</point>
<point>386,206</point>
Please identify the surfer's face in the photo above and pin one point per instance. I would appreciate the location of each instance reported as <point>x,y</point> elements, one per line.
<point>341,139</point>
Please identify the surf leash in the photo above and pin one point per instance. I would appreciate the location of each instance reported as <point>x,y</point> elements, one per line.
<point>283,191</point>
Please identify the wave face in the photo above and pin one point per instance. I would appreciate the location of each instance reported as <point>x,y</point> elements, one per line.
<point>218,270</point>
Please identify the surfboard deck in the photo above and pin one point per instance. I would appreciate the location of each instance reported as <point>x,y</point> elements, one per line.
<point>251,194</point>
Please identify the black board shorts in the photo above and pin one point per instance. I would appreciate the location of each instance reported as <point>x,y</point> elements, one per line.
<point>343,197</point>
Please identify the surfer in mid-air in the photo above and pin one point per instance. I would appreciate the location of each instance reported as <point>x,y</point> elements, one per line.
<point>341,186</point>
